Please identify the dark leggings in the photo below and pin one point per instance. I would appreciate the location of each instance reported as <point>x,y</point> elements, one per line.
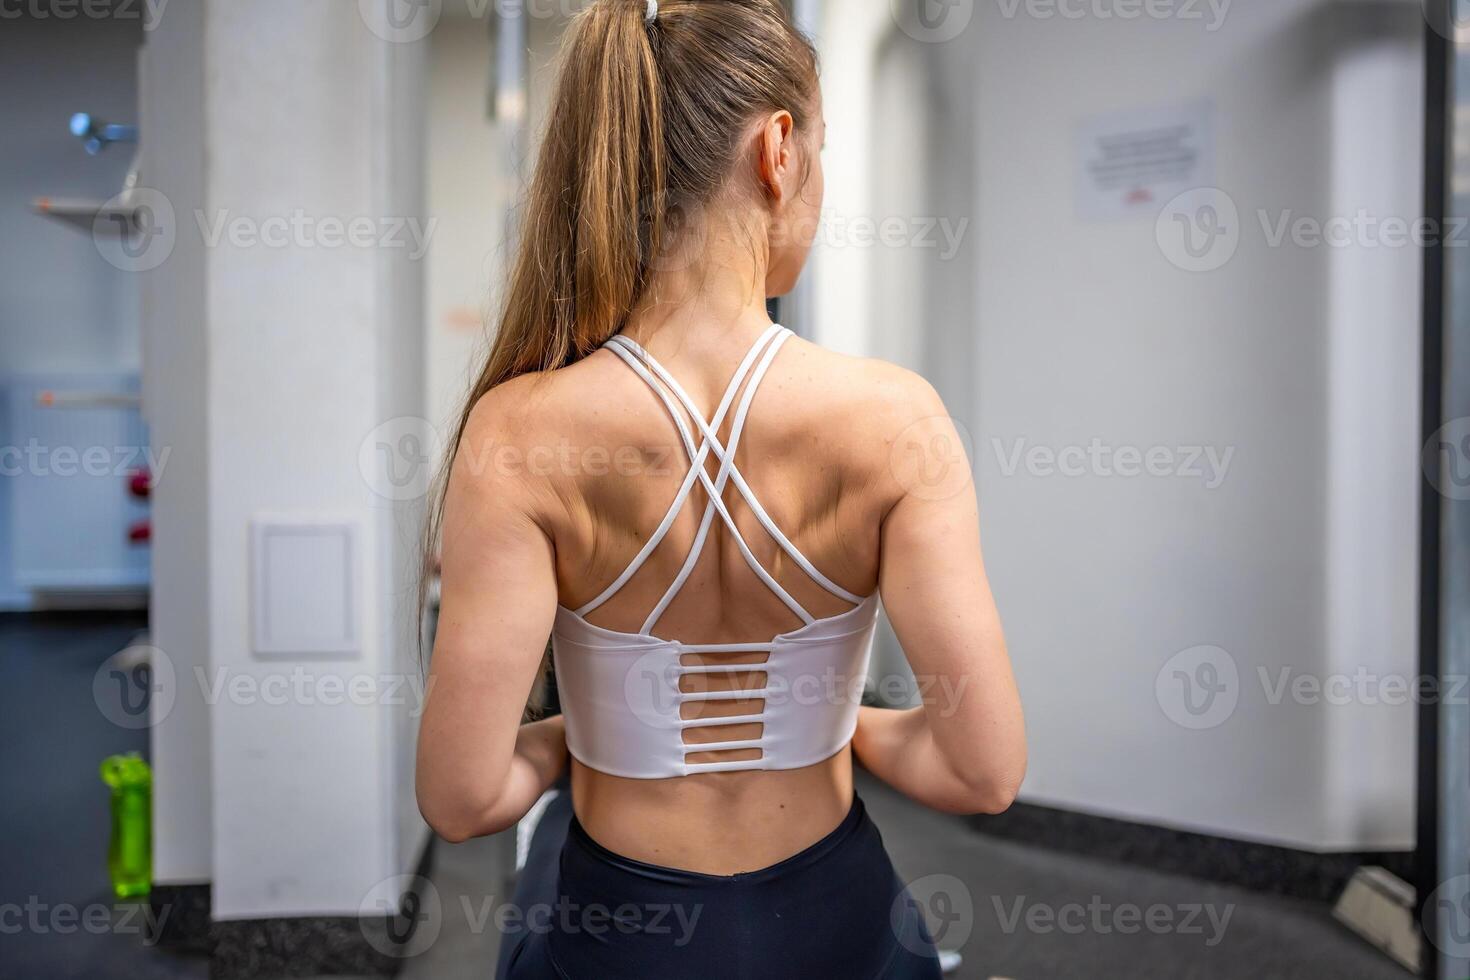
<point>837,909</point>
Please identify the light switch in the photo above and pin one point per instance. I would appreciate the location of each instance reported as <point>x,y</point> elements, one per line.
<point>305,597</point>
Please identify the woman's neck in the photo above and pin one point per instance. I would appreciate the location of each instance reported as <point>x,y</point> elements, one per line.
<point>713,287</point>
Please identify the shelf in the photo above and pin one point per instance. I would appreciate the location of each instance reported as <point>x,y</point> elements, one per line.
<point>82,211</point>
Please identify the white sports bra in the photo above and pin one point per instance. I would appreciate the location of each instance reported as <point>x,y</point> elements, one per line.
<point>620,692</point>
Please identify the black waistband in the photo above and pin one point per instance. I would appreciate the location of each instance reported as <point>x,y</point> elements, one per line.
<point>835,908</point>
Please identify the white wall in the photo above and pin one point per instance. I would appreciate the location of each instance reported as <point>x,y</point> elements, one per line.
<point>266,369</point>
<point>473,187</point>
<point>1373,465</point>
<point>310,348</point>
<point>468,190</point>
<point>62,307</point>
<point>1300,360</point>
<point>175,388</point>
<point>399,188</point>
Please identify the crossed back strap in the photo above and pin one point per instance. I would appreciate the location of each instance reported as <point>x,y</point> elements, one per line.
<point>754,366</point>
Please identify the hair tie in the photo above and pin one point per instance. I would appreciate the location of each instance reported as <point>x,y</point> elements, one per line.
<point>652,14</point>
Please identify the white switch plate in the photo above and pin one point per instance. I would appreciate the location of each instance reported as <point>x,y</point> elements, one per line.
<point>305,587</point>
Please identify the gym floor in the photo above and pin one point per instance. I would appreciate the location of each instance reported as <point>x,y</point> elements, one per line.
<point>1014,910</point>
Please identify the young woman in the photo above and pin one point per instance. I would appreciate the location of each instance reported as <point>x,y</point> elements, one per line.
<point>701,510</point>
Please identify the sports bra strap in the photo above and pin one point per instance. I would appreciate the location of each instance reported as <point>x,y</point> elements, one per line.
<point>698,469</point>
<point>697,459</point>
<point>717,493</point>
<point>728,457</point>
<point>640,361</point>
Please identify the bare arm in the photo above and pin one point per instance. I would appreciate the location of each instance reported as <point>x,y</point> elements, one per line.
<point>964,749</point>
<point>479,769</point>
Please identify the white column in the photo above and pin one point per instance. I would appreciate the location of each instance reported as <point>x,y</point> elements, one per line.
<point>315,337</point>
<point>1373,361</point>
<point>175,388</point>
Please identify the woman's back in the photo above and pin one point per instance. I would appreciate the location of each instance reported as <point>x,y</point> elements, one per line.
<point>710,626</point>
<point>599,448</point>
<point>807,451</point>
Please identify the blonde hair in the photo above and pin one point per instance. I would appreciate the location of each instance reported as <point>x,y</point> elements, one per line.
<point>647,115</point>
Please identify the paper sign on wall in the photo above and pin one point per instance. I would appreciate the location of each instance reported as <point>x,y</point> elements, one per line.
<point>1133,163</point>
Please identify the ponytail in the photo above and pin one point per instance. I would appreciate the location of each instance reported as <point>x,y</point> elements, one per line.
<point>590,217</point>
<point>647,110</point>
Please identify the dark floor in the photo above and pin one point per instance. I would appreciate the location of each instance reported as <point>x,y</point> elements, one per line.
<point>1013,910</point>
<point>58,917</point>
<point>1263,936</point>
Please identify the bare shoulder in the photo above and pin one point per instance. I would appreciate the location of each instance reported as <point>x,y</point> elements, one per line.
<point>516,434</point>
<point>870,420</point>
<point>505,416</point>
<point>534,408</point>
<point>863,394</point>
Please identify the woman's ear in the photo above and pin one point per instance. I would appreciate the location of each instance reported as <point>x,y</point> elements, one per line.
<point>775,149</point>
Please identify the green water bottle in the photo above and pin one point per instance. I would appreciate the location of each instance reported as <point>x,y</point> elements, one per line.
<point>130,855</point>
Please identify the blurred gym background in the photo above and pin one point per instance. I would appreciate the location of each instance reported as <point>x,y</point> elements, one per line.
<point>1190,274</point>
